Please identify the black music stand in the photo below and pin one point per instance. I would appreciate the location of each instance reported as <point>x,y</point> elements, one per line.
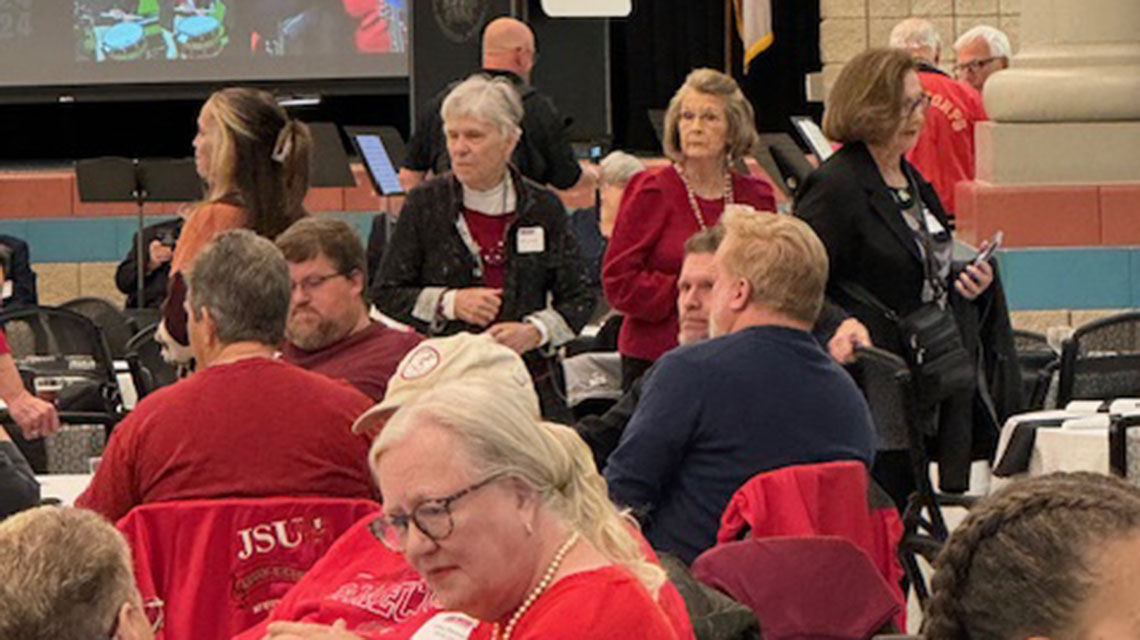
<point>330,162</point>
<point>141,181</point>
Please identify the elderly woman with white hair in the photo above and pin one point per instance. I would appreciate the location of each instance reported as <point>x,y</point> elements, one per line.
<point>484,248</point>
<point>515,530</point>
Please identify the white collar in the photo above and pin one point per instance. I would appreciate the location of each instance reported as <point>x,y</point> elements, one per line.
<point>500,199</point>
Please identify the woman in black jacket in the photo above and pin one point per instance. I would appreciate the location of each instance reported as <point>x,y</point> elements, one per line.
<point>885,229</point>
<point>483,248</point>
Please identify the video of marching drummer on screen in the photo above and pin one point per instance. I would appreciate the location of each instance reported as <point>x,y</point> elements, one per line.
<point>127,30</point>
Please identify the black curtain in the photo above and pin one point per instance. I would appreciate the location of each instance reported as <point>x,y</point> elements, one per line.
<point>662,40</point>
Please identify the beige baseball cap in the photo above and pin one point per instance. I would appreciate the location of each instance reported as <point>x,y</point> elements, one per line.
<point>461,356</point>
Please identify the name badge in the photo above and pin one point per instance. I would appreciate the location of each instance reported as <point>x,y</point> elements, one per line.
<point>531,240</point>
<point>932,224</point>
<point>447,626</point>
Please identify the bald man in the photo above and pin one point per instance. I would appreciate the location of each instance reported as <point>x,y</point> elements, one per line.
<point>543,154</point>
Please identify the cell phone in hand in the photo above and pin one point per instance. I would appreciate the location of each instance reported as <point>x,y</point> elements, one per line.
<point>990,250</point>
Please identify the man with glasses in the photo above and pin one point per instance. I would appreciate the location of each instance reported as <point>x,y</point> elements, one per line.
<point>944,154</point>
<point>981,52</point>
<point>362,582</point>
<point>245,424</point>
<point>329,330</point>
<point>67,576</point>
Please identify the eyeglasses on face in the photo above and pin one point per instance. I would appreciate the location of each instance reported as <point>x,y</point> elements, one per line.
<point>153,609</point>
<point>973,66</point>
<point>431,516</point>
<point>912,105</point>
<point>308,284</point>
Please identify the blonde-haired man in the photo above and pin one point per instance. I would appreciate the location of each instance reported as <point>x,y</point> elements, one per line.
<point>761,395</point>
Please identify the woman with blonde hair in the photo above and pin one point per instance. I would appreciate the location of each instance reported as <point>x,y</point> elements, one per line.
<point>708,126</point>
<point>255,162</point>
<point>516,530</point>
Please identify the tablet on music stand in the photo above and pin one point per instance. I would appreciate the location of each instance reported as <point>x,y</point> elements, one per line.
<point>813,136</point>
<point>382,150</point>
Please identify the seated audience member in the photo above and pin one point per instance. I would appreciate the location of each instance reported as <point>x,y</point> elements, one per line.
<point>245,424</point>
<point>17,264</point>
<point>329,330</point>
<point>944,153</point>
<point>485,249</point>
<point>159,241</point>
<point>593,226</point>
<point>708,126</point>
<point>512,507</point>
<point>1055,556</point>
<point>981,52</point>
<point>359,577</point>
<point>761,396</point>
<point>18,486</point>
<point>65,574</point>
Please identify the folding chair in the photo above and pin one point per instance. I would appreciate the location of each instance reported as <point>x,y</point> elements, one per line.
<point>149,371</point>
<point>1101,360</point>
<point>111,320</point>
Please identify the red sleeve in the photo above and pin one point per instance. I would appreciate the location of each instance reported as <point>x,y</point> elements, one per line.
<point>113,491</point>
<point>4,348</point>
<point>631,284</point>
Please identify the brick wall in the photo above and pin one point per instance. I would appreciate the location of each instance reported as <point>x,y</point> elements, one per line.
<point>850,26</point>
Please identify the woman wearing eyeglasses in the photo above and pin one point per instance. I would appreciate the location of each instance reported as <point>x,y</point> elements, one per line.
<point>885,229</point>
<point>514,530</point>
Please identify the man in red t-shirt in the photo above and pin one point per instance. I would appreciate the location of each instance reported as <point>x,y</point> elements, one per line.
<point>245,424</point>
<point>945,150</point>
<point>329,330</point>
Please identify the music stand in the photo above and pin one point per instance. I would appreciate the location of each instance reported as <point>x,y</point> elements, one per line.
<point>141,181</point>
<point>330,162</point>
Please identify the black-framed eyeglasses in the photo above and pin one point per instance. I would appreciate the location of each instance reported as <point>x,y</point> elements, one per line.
<point>309,284</point>
<point>912,106</point>
<point>153,609</point>
<point>974,66</point>
<point>431,516</point>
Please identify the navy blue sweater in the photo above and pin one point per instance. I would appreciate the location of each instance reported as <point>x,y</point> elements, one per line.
<point>716,413</point>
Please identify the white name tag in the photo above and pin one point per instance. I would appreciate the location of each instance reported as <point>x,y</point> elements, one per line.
<point>447,626</point>
<point>932,224</point>
<point>532,240</point>
<point>6,292</point>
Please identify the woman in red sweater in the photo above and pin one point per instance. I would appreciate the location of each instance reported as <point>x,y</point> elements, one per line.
<point>708,126</point>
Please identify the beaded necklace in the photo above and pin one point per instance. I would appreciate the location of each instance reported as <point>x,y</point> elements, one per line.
<point>693,196</point>
<point>539,588</point>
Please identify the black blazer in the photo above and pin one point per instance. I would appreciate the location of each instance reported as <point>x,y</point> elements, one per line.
<point>849,206</point>
<point>426,250</point>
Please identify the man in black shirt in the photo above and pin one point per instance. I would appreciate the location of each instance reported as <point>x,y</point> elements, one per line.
<point>543,153</point>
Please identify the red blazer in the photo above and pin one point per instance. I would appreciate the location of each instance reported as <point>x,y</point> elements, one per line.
<point>944,154</point>
<point>644,256</point>
<point>826,499</point>
<point>221,565</point>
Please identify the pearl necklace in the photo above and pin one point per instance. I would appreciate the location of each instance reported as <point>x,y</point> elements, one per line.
<point>693,196</point>
<point>539,588</point>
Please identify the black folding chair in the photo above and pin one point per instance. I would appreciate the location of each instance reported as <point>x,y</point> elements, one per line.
<point>111,320</point>
<point>1038,362</point>
<point>890,390</point>
<point>1101,361</point>
<point>149,371</point>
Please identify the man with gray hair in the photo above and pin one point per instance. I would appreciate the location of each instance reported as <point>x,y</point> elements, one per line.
<point>245,424</point>
<point>981,52</point>
<point>945,150</point>
<point>65,574</point>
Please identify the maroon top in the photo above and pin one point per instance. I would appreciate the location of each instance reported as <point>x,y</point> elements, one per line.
<point>643,260</point>
<point>365,359</point>
<point>490,233</point>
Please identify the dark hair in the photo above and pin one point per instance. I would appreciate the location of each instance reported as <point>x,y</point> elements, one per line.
<point>866,102</point>
<point>705,241</point>
<point>261,158</point>
<point>243,280</point>
<point>335,239</point>
<point>1018,566</point>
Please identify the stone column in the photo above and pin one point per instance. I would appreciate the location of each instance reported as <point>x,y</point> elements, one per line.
<point>1068,109</point>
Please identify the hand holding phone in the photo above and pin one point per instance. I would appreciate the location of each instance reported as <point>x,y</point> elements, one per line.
<point>989,248</point>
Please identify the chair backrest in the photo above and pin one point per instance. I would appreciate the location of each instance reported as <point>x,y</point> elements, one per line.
<point>221,565</point>
<point>111,320</point>
<point>826,499</point>
<point>803,588</point>
<point>1101,360</point>
<point>149,371</point>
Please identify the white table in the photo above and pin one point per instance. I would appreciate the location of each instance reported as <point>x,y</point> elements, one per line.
<point>63,487</point>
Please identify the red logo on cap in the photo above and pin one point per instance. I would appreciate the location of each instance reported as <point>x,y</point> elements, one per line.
<point>423,361</point>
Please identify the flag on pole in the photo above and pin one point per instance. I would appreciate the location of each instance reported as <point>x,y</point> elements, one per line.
<point>754,22</point>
